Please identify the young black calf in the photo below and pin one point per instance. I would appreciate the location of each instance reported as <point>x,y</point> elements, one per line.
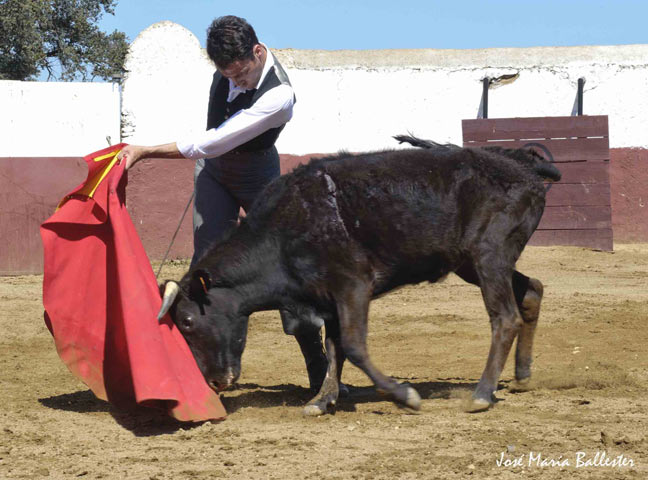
<point>321,242</point>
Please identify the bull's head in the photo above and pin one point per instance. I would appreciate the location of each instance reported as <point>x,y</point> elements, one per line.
<point>210,321</point>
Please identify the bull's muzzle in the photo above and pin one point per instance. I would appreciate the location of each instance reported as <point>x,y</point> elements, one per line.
<point>170,293</point>
<point>223,382</point>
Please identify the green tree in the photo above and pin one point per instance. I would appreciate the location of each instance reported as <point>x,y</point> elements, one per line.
<point>60,37</point>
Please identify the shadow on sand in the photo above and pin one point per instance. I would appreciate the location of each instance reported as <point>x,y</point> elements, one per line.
<point>290,395</point>
<point>141,421</point>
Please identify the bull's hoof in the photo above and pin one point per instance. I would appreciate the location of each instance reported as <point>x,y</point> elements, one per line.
<point>477,405</point>
<point>413,399</point>
<point>321,404</point>
<point>313,411</point>
<point>521,385</point>
<point>407,397</point>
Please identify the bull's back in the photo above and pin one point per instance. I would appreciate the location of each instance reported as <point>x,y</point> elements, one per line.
<point>413,213</point>
<point>416,203</point>
<point>421,213</point>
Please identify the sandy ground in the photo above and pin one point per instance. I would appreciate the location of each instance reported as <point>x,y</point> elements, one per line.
<point>590,379</point>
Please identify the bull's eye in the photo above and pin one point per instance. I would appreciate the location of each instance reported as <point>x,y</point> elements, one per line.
<point>186,324</point>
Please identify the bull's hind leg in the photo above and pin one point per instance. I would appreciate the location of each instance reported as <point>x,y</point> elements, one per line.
<point>528,295</point>
<point>505,321</point>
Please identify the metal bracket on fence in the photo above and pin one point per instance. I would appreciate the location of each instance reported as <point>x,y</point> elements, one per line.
<point>490,83</point>
<point>483,105</point>
<point>578,103</point>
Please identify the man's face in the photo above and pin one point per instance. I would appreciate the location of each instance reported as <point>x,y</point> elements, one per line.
<point>246,73</point>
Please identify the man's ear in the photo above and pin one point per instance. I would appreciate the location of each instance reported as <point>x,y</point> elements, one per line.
<point>200,283</point>
<point>257,50</point>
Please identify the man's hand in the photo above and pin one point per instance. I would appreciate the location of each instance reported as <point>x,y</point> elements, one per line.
<point>131,154</point>
<point>134,153</point>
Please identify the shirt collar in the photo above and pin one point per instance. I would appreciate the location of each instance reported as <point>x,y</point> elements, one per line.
<point>269,63</point>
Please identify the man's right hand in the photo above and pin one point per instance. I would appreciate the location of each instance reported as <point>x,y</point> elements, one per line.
<point>134,153</point>
<point>131,154</point>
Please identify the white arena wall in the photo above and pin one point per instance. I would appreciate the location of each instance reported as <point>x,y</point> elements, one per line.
<point>356,100</point>
<point>351,100</point>
<point>50,119</point>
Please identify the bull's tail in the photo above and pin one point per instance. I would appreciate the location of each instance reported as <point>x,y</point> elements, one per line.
<point>427,144</point>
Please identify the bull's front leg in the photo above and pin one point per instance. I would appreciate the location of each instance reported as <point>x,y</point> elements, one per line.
<point>353,310</point>
<point>306,328</point>
<point>328,394</point>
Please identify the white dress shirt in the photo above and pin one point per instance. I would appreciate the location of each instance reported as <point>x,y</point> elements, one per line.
<point>273,109</point>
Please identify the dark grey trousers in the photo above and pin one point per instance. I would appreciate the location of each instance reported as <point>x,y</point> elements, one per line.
<point>223,185</point>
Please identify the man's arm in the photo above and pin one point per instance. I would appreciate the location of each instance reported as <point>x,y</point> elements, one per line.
<point>134,153</point>
<point>272,110</point>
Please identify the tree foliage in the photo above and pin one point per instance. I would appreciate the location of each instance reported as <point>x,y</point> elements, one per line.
<point>60,37</point>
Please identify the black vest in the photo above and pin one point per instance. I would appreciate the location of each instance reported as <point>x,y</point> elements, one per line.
<point>220,110</point>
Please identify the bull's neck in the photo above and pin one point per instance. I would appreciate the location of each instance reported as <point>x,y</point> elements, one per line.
<point>250,266</point>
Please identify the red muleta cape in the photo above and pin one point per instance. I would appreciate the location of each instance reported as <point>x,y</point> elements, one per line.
<point>101,301</point>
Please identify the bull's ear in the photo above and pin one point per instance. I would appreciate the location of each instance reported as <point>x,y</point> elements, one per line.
<point>201,282</point>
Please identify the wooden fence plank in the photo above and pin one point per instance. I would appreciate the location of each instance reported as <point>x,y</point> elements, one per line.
<point>584,172</point>
<point>576,217</point>
<point>600,239</point>
<point>567,150</point>
<point>534,128</point>
<point>564,195</point>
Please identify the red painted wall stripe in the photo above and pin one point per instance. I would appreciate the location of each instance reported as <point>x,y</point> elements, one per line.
<point>30,189</point>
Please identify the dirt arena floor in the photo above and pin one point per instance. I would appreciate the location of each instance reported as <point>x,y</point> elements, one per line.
<point>589,396</point>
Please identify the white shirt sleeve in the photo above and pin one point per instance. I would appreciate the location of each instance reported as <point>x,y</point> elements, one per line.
<point>273,109</point>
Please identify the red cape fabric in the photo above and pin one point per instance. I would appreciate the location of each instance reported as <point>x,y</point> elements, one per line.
<point>101,301</point>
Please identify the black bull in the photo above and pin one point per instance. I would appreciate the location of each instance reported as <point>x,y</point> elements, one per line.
<point>321,242</point>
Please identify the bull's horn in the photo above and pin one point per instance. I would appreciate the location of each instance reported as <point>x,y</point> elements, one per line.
<point>170,293</point>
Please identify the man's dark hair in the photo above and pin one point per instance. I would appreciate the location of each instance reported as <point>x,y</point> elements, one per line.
<point>229,39</point>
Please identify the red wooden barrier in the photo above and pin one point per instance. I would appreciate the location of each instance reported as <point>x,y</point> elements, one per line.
<point>578,210</point>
